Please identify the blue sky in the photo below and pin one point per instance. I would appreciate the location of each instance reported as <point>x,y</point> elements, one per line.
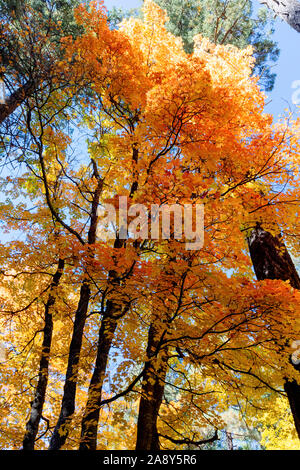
<point>287,68</point>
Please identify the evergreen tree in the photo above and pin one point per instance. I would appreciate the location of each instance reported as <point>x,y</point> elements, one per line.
<point>56,10</point>
<point>23,68</point>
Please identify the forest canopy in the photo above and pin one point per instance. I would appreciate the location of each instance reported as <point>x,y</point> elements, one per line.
<point>145,341</point>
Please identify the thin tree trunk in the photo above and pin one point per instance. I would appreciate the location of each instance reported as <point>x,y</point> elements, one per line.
<point>153,385</point>
<point>37,404</point>
<point>61,430</point>
<point>113,312</point>
<point>229,441</point>
<point>287,10</point>
<point>151,395</point>
<point>90,419</point>
<point>271,260</point>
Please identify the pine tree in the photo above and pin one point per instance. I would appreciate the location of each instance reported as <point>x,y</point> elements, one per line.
<point>23,69</point>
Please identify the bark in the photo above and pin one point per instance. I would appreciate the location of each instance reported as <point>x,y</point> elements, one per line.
<point>229,441</point>
<point>287,10</point>
<point>151,395</point>
<point>61,430</point>
<point>15,100</point>
<point>37,404</point>
<point>292,390</point>
<point>271,260</point>
<point>90,419</point>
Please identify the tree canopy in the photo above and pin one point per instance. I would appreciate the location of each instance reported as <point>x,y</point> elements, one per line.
<point>144,340</point>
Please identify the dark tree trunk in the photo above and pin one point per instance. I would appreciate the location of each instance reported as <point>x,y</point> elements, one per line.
<point>150,402</point>
<point>37,404</point>
<point>90,419</point>
<point>292,390</point>
<point>151,395</point>
<point>113,311</point>
<point>229,441</point>
<point>271,260</point>
<point>60,433</point>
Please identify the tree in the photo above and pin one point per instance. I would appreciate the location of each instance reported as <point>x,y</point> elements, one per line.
<point>289,11</point>
<point>221,22</point>
<point>100,390</point>
<point>161,126</point>
<point>218,29</point>
<point>226,23</point>
<point>38,25</point>
<point>32,425</point>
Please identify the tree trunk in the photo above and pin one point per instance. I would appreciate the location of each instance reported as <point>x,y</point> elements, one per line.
<point>37,404</point>
<point>89,425</point>
<point>61,430</point>
<point>271,260</point>
<point>229,441</point>
<point>12,102</point>
<point>287,10</point>
<point>151,395</point>
<point>292,390</point>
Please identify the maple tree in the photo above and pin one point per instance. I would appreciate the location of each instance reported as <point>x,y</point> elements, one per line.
<point>227,23</point>
<point>191,332</point>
